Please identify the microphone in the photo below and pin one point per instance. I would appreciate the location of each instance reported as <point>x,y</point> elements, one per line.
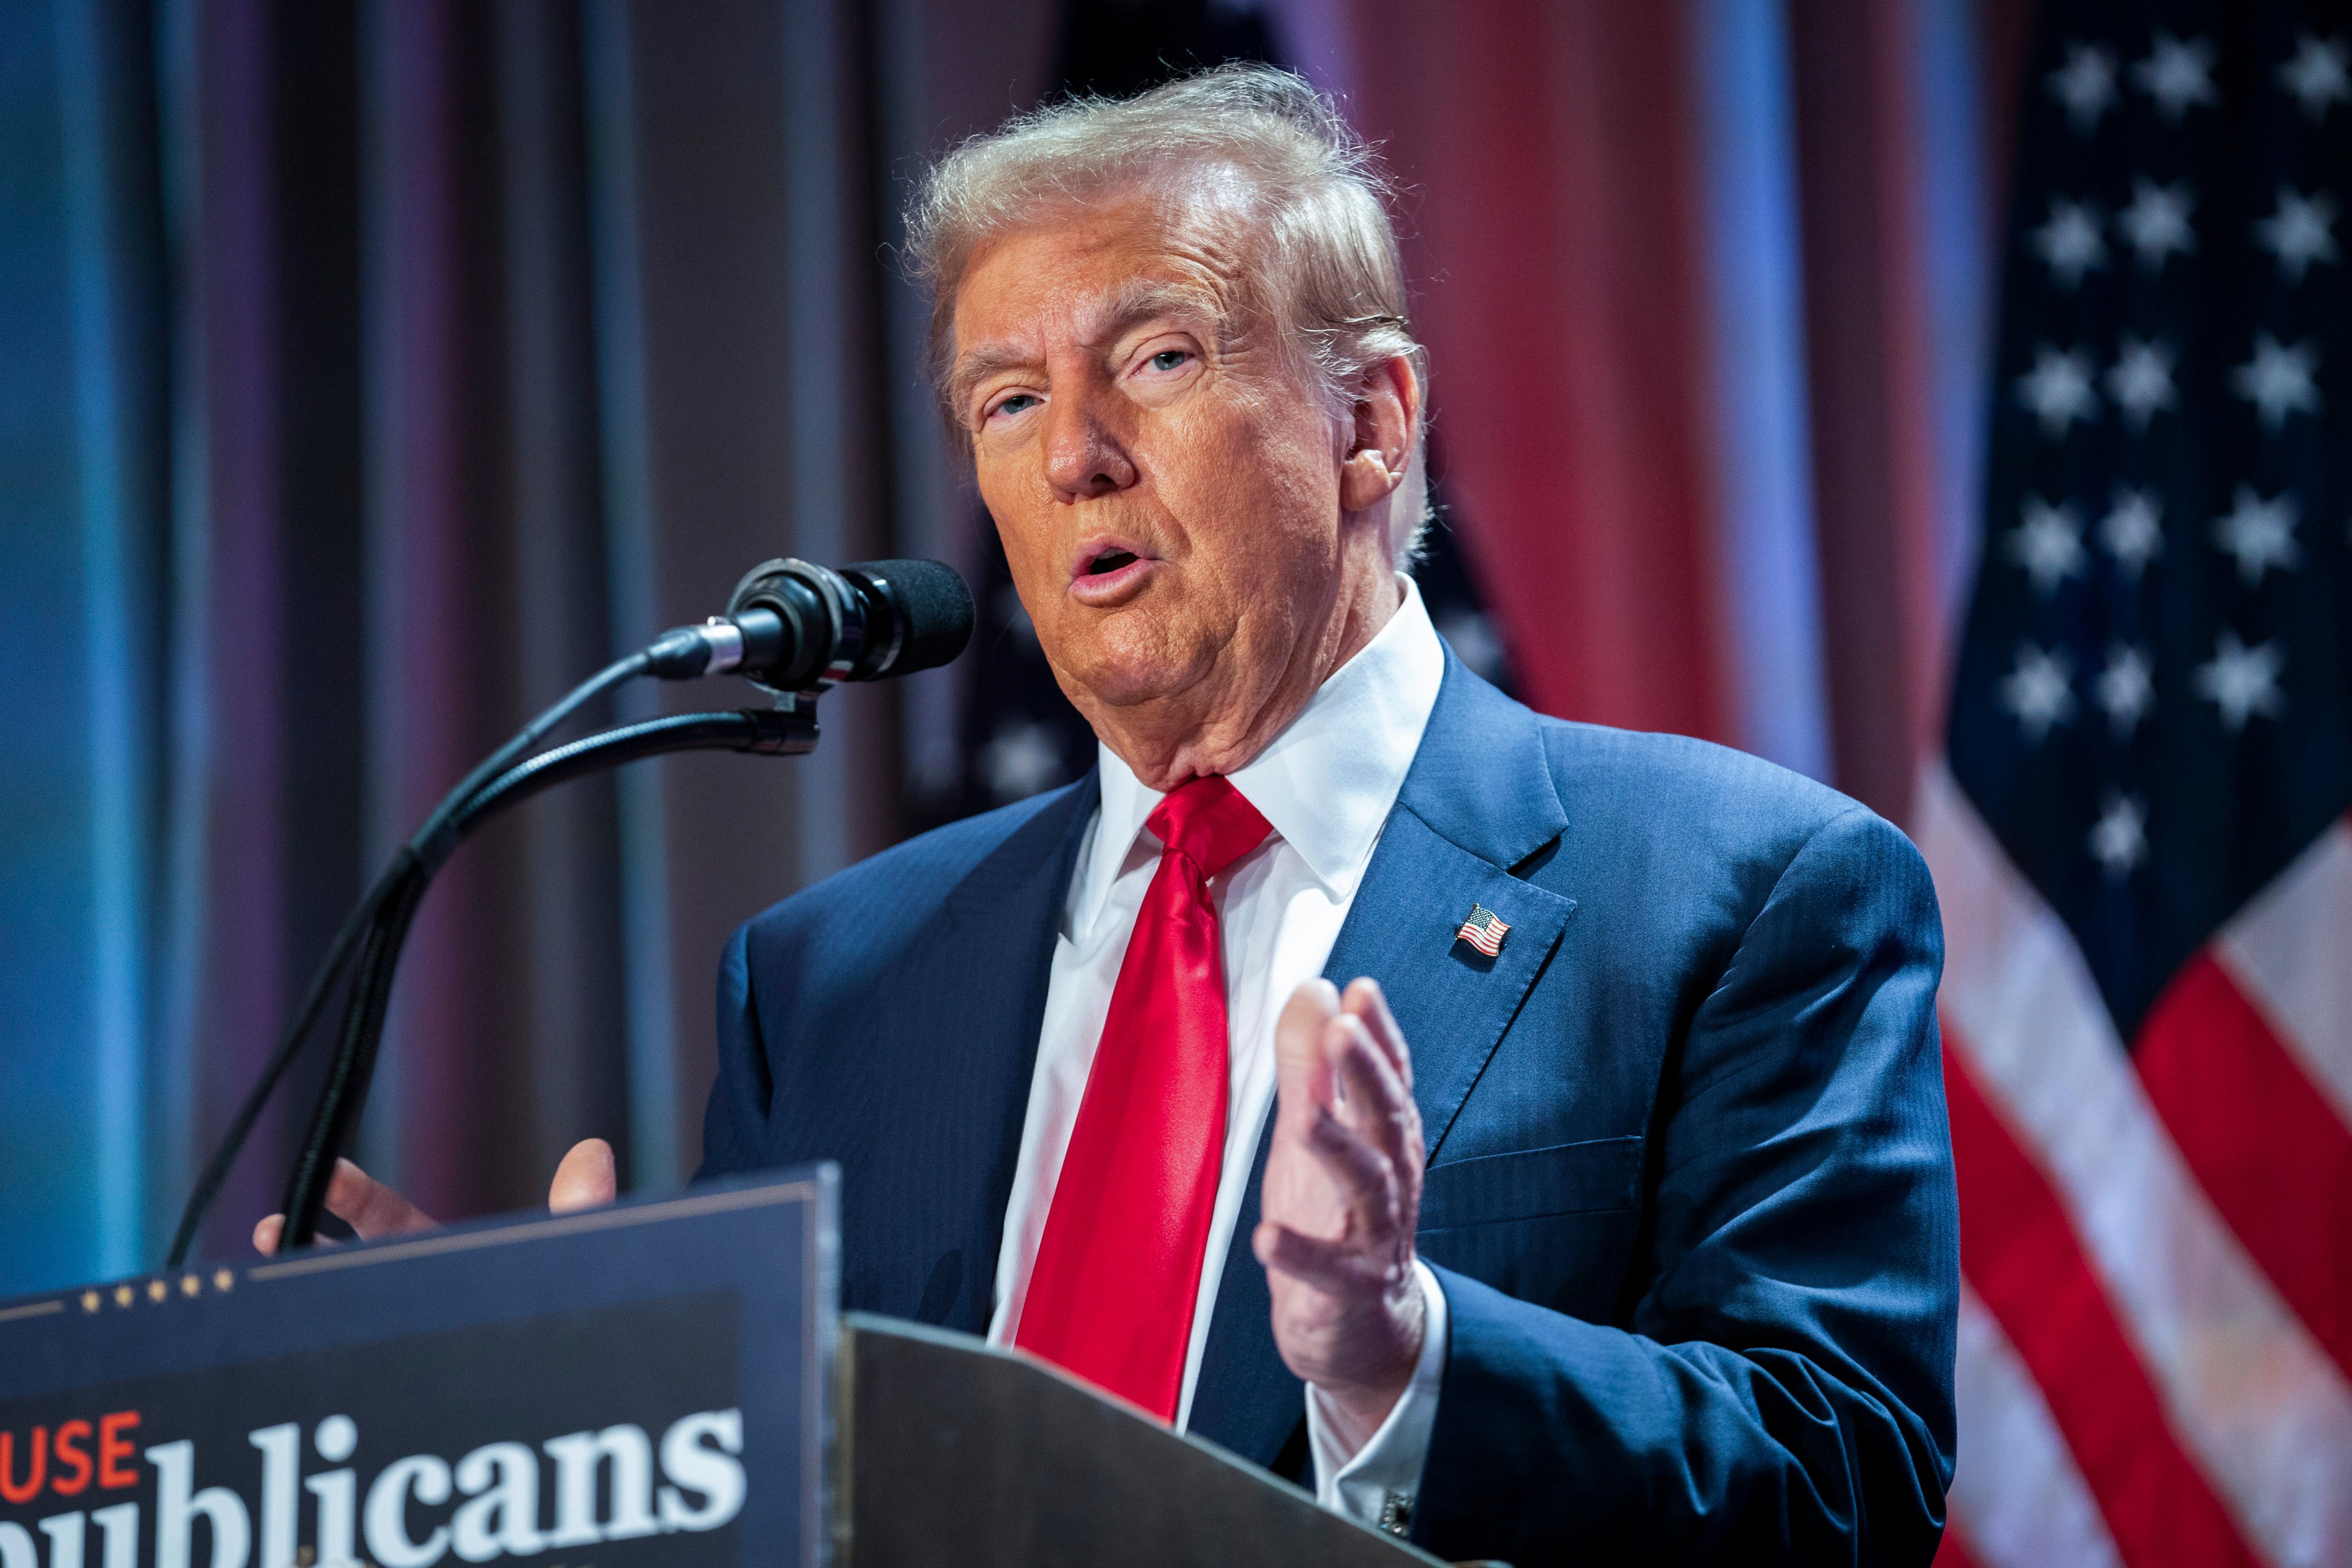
<point>793,626</point>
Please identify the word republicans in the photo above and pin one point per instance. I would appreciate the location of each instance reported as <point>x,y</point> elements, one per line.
<point>701,1471</point>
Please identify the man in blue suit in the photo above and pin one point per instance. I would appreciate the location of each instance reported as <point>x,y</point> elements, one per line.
<point>1609,1208</point>
<point>1674,1154</point>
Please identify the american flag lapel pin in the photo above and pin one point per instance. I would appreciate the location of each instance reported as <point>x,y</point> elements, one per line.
<point>1483,931</point>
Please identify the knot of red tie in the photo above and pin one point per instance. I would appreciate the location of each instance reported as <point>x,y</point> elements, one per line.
<point>1207,822</point>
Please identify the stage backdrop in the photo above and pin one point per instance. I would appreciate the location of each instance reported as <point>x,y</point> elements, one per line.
<point>374,370</point>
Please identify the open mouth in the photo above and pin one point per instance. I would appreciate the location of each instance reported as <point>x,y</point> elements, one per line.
<point>1110,575</point>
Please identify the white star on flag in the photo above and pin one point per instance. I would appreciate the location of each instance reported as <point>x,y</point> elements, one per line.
<point>2125,689</point>
<point>2118,840</point>
<point>2260,533</point>
<point>2070,242</point>
<point>2058,389</point>
<point>2048,543</point>
<point>2132,531</point>
<point>2319,75</point>
<point>2039,690</point>
<point>2155,223</point>
<point>2278,380</point>
<point>2297,233</point>
<point>2140,381</point>
<point>2176,74</point>
<point>2243,682</point>
<point>2085,84</point>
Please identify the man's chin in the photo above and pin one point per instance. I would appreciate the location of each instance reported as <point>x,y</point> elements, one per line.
<point>1125,681</point>
<point>1128,689</point>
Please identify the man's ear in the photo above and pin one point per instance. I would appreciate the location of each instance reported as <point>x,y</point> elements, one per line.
<point>1385,422</point>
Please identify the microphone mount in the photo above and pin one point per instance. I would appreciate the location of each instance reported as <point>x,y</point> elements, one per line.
<point>792,628</point>
<point>778,732</point>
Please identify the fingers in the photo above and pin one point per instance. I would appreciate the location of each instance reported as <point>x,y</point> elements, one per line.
<point>1332,1267</point>
<point>1369,1144</point>
<point>370,1207</point>
<point>362,1202</point>
<point>1375,1200</point>
<point>1366,1177</point>
<point>1366,1001</point>
<point>1376,1102</point>
<point>1301,1072</point>
<point>270,1229</point>
<point>585,1179</point>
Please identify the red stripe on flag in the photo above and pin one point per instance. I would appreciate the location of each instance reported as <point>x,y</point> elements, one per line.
<point>2272,1153</point>
<point>2019,1248</point>
<point>1954,1552</point>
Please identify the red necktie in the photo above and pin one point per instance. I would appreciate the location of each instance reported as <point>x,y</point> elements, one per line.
<point>1118,1267</point>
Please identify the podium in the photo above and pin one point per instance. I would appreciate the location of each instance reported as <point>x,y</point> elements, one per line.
<point>958,1453</point>
<point>661,1382</point>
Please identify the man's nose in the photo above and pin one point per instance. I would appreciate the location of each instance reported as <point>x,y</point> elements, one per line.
<point>1084,457</point>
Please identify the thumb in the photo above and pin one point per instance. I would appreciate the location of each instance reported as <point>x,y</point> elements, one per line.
<point>1302,1071</point>
<point>584,1179</point>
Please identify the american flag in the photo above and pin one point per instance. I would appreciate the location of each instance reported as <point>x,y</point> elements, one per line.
<point>2139,835</point>
<point>1483,931</point>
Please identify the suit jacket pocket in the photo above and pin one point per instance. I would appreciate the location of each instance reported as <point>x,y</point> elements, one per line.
<point>1549,1226</point>
<point>1598,1174</point>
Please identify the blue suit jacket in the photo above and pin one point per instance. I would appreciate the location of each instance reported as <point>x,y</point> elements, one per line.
<point>1689,1189</point>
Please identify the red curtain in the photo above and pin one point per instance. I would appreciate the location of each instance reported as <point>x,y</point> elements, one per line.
<point>1553,235</point>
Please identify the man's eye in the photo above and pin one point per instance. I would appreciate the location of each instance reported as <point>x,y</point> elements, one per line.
<point>1168,359</point>
<point>1017,403</point>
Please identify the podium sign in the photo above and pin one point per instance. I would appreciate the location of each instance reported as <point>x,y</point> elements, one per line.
<point>648,1383</point>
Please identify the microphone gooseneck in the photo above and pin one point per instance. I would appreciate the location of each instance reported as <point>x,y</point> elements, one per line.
<point>792,627</point>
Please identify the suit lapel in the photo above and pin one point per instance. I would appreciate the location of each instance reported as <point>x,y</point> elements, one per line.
<point>985,980</point>
<point>1451,1002</point>
<point>1478,800</point>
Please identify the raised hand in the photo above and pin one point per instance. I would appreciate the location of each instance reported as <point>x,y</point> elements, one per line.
<point>583,1179</point>
<point>1342,1198</point>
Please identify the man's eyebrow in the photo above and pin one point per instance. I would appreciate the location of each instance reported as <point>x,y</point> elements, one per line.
<point>978,365</point>
<point>1146,299</point>
<point>1139,300</point>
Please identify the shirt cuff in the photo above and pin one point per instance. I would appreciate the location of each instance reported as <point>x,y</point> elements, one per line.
<point>1377,1484</point>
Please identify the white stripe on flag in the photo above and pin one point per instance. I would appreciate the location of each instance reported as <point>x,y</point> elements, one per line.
<point>2290,949</point>
<point>2253,1396</point>
<point>2018,1491</point>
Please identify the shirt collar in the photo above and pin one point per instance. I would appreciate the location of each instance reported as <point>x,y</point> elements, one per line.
<point>1327,783</point>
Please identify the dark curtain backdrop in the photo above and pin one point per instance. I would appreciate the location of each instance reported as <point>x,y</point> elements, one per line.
<point>500,312</point>
<point>372,371</point>
<point>430,353</point>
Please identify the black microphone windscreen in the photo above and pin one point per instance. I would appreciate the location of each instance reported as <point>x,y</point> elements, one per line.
<point>937,606</point>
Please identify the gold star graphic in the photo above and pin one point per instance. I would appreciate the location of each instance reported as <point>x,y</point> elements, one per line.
<point>90,1299</point>
<point>223,1279</point>
<point>122,1295</point>
<point>190,1285</point>
<point>157,1289</point>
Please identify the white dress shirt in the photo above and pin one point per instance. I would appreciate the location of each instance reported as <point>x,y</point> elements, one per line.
<point>1326,784</point>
